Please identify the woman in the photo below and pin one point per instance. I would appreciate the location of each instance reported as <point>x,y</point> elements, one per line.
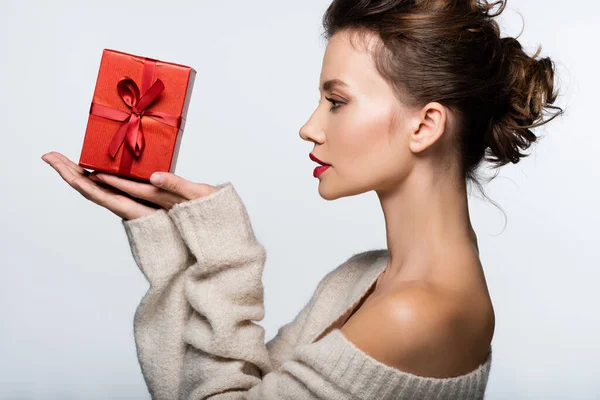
<point>417,93</point>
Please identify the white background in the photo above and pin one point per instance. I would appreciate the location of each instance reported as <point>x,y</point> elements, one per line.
<point>69,285</point>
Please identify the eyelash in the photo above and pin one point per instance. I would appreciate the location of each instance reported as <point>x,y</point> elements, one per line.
<point>333,101</point>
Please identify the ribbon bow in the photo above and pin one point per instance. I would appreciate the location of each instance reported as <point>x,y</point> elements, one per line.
<point>130,130</point>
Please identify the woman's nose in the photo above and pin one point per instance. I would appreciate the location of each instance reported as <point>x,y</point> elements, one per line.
<point>311,133</point>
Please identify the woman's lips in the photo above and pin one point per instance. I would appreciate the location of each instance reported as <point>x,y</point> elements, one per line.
<point>315,159</point>
<point>319,170</point>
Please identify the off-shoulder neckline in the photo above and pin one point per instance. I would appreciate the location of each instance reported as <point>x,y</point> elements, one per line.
<point>336,334</point>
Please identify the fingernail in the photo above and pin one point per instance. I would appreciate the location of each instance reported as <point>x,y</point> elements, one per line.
<point>157,178</point>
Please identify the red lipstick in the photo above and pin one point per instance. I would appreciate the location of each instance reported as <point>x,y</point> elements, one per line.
<point>319,170</point>
<point>315,159</point>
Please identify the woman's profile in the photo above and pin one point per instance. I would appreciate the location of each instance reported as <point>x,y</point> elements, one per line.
<point>415,96</point>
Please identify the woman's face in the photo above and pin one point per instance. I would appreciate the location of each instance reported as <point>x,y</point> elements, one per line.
<point>354,127</point>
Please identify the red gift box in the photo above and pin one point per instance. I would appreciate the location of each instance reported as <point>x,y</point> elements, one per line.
<point>137,115</point>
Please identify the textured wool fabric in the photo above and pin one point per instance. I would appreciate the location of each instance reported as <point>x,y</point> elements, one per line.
<point>195,333</point>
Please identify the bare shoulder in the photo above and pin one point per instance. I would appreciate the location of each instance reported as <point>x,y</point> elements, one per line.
<point>423,330</point>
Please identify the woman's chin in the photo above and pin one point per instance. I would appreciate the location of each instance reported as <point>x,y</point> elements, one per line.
<point>327,192</point>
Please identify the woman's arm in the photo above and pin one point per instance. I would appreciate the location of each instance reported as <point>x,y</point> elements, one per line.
<point>204,303</point>
<point>160,252</point>
<point>157,247</point>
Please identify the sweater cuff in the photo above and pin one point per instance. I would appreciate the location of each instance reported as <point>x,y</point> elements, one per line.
<point>214,226</point>
<point>156,246</point>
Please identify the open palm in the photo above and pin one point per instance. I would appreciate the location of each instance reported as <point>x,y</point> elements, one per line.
<point>127,198</point>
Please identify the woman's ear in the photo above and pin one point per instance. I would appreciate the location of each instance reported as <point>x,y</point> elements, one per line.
<point>430,124</point>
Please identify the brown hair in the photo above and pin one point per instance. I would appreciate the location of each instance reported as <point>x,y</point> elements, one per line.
<point>451,52</point>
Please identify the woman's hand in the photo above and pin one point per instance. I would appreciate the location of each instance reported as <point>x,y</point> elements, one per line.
<point>124,197</point>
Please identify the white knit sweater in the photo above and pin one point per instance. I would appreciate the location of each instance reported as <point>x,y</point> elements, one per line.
<point>195,332</point>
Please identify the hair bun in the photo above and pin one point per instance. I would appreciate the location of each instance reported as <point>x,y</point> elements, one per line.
<point>527,97</point>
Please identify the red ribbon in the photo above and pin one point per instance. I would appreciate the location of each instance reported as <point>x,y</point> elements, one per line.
<point>130,131</point>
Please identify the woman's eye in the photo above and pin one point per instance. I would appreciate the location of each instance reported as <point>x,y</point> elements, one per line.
<point>333,102</point>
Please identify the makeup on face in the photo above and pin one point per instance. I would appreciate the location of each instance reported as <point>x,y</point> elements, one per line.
<point>319,170</point>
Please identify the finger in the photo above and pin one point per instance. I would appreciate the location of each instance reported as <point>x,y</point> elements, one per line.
<point>120,205</point>
<point>68,163</point>
<point>75,180</point>
<point>141,190</point>
<point>93,176</point>
<point>176,184</point>
<point>63,170</point>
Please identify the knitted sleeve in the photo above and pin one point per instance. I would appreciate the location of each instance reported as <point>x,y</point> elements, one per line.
<point>198,298</point>
<point>157,247</point>
<point>281,346</point>
<point>160,253</point>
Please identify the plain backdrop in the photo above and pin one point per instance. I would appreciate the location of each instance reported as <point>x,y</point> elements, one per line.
<point>70,287</point>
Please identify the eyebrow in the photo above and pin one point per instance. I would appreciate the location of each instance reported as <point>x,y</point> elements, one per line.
<point>330,84</point>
